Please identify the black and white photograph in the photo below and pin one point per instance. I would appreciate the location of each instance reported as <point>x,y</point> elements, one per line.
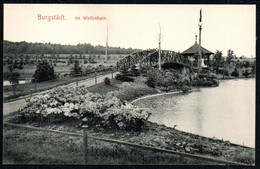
<point>129,84</point>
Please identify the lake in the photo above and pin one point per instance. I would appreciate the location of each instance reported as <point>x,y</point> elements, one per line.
<point>225,112</point>
<point>7,83</point>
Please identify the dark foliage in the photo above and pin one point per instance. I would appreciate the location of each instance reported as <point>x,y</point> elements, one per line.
<point>204,79</point>
<point>107,81</point>
<point>76,69</point>
<point>124,78</point>
<point>151,82</point>
<point>49,48</point>
<point>205,82</point>
<point>44,72</point>
<point>134,72</point>
<point>223,72</point>
<point>246,73</point>
<point>235,73</point>
<point>175,66</point>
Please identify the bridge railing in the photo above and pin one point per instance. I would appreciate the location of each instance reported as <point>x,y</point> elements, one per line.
<point>151,57</point>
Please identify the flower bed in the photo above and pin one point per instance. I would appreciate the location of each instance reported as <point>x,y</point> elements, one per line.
<point>65,103</point>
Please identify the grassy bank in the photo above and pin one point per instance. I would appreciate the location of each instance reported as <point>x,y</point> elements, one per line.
<point>22,146</point>
<point>45,148</point>
<point>124,90</point>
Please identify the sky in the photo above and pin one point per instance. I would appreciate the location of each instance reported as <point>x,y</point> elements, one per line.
<point>136,26</point>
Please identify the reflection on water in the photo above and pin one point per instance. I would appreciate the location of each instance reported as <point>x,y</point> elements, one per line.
<point>226,112</point>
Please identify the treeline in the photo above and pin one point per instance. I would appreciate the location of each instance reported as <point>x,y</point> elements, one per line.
<point>49,48</point>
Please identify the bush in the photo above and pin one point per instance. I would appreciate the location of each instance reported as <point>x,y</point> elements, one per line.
<point>124,78</point>
<point>151,82</point>
<point>185,88</point>
<point>205,82</point>
<point>162,79</point>
<point>223,72</point>
<point>107,81</point>
<point>246,73</point>
<point>65,103</point>
<point>134,72</point>
<point>235,73</point>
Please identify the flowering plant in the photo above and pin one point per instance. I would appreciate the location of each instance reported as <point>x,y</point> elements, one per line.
<point>77,103</point>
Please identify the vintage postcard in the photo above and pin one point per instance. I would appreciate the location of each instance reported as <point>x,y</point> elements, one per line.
<point>129,84</point>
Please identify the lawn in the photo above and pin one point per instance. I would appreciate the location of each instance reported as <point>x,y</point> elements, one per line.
<point>102,88</point>
<point>24,146</point>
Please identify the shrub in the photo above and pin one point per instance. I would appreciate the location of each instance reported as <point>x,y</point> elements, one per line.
<point>205,82</point>
<point>64,103</point>
<point>185,88</point>
<point>134,72</point>
<point>246,73</point>
<point>162,79</point>
<point>244,157</point>
<point>107,81</point>
<point>235,73</point>
<point>124,78</point>
<point>151,82</point>
<point>223,72</point>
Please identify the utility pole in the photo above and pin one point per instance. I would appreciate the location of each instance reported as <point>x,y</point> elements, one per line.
<point>159,52</point>
<point>200,28</point>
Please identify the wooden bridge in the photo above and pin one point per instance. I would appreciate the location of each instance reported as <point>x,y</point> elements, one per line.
<point>150,58</point>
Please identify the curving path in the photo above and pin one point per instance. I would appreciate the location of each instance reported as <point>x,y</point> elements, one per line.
<point>13,106</point>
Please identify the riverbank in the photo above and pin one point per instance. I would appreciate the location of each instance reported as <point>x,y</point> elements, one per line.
<point>220,77</point>
<point>161,94</point>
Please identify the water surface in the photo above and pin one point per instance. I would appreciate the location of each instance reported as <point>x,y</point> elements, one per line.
<point>7,83</point>
<point>225,112</point>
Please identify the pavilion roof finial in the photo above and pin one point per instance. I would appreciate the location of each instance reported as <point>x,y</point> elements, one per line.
<point>195,38</point>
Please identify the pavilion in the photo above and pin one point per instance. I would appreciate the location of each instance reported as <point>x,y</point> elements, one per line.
<point>193,53</point>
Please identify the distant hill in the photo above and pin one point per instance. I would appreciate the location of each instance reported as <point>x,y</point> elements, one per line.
<point>49,48</point>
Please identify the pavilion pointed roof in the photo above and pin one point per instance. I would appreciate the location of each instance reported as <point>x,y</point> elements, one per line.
<point>195,49</point>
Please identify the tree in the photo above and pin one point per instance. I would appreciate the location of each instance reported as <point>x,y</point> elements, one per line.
<point>12,77</point>
<point>218,58</point>
<point>230,55</point>
<point>76,69</point>
<point>44,71</point>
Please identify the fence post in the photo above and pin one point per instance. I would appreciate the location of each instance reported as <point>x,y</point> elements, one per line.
<point>31,93</point>
<point>85,144</point>
<point>112,73</point>
<point>77,82</point>
<point>35,85</point>
<point>95,77</point>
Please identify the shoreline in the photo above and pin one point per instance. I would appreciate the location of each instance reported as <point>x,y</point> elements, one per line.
<point>233,78</point>
<point>154,95</point>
